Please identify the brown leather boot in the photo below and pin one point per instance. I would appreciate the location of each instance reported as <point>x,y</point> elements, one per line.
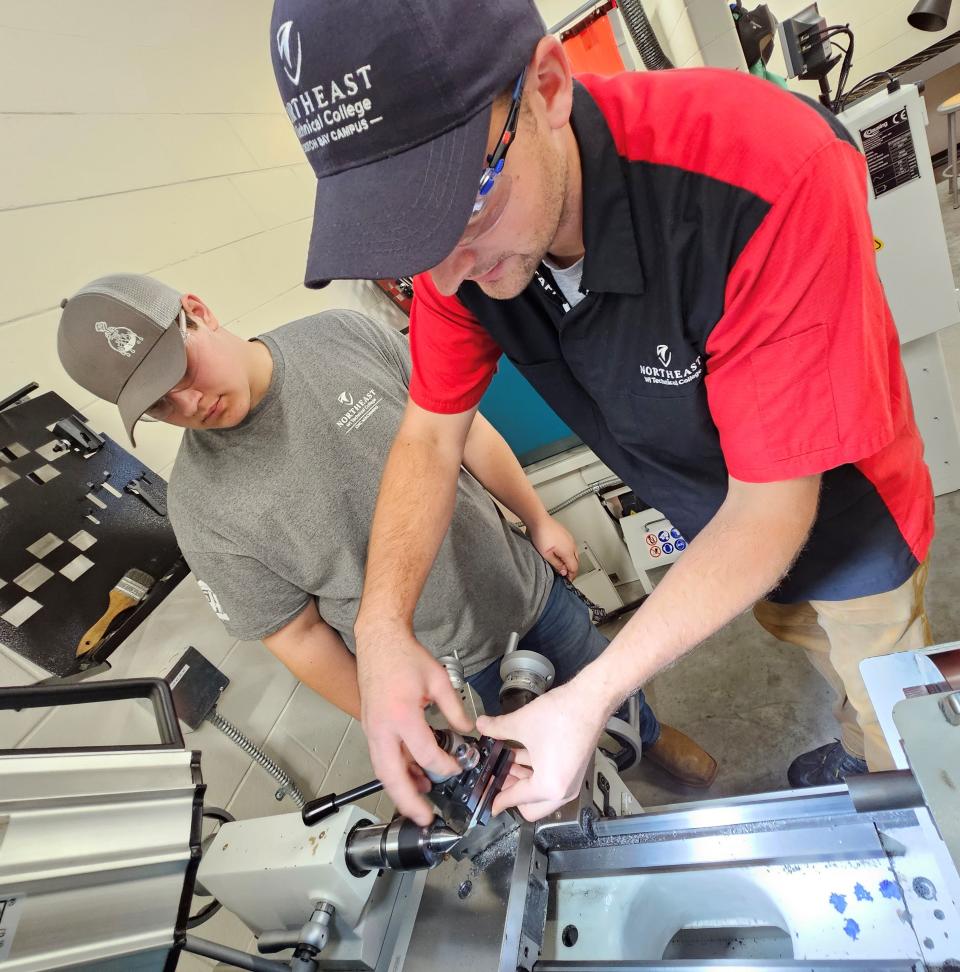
<point>677,754</point>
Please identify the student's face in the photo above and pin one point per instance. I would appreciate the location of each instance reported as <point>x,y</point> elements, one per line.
<point>501,253</point>
<point>215,391</point>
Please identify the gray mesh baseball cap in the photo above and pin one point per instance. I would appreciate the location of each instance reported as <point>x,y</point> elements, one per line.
<point>391,102</point>
<point>119,339</point>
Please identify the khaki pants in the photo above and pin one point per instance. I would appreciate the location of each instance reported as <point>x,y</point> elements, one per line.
<point>838,635</point>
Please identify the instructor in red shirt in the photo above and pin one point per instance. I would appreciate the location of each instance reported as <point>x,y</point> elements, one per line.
<point>681,263</point>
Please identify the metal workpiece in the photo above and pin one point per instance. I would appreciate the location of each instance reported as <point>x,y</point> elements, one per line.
<point>462,749</point>
<point>466,800</point>
<point>892,790</point>
<point>400,845</point>
<point>458,679</point>
<point>526,675</point>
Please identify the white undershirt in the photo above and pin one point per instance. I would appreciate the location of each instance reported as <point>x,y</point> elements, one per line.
<point>568,280</point>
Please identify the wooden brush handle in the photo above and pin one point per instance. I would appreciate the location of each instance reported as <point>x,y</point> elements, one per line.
<point>119,602</point>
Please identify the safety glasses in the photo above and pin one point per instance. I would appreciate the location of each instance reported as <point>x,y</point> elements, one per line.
<point>494,183</point>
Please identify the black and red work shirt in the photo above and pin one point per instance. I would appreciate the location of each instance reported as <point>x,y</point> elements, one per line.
<point>733,324</point>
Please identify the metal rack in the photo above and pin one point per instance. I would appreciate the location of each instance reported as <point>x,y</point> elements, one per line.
<point>70,530</point>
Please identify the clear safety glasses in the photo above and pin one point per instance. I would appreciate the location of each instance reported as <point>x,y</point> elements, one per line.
<point>494,188</point>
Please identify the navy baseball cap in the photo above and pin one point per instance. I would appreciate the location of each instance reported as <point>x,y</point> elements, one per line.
<point>391,102</point>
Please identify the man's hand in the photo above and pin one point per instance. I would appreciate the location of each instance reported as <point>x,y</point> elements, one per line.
<point>558,732</point>
<point>556,545</point>
<point>398,679</point>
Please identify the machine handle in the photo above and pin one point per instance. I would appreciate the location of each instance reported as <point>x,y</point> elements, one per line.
<point>315,811</point>
<point>155,689</point>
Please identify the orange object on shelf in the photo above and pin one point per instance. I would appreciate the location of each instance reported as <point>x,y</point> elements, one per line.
<point>592,49</point>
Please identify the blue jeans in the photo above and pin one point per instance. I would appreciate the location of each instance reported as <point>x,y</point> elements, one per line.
<point>564,634</point>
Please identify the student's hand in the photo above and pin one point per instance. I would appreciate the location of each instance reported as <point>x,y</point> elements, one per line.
<point>556,545</point>
<point>398,679</point>
<point>558,732</point>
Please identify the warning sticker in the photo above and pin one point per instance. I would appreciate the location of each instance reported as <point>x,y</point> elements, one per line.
<point>891,156</point>
<point>877,244</point>
<point>11,907</point>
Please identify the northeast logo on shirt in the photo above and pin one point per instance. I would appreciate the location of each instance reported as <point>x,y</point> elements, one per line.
<point>663,374</point>
<point>360,408</point>
<point>213,600</point>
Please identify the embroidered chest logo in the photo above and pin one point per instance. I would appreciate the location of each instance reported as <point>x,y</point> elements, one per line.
<point>358,409</point>
<point>121,339</point>
<point>213,600</point>
<point>666,375</point>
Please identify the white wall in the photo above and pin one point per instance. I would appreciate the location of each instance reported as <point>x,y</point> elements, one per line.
<point>146,137</point>
<point>149,137</point>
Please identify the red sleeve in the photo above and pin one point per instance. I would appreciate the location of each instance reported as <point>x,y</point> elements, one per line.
<point>454,358</point>
<point>803,367</point>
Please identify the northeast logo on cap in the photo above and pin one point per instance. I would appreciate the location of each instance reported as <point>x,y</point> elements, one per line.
<point>121,339</point>
<point>291,65</point>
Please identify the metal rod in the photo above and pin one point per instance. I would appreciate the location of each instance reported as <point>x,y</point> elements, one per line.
<point>892,790</point>
<point>233,956</point>
<point>322,807</point>
<point>841,842</point>
<point>786,805</point>
<point>17,395</point>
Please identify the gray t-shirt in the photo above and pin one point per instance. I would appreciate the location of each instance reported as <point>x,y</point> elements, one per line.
<point>278,509</point>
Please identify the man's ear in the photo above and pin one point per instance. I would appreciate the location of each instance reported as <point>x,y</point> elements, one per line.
<point>197,310</point>
<point>550,75</point>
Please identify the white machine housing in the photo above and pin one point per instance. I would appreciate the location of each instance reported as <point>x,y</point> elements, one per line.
<point>270,871</point>
<point>914,266</point>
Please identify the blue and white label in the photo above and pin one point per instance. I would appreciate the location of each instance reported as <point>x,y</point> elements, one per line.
<point>663,536</point>
<point>681,544</point>
<point>668,548</point>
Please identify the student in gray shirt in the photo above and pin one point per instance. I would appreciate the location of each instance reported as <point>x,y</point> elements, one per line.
<point>274,486</point>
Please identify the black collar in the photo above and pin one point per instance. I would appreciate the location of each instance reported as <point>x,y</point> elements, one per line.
<point>611,260</point>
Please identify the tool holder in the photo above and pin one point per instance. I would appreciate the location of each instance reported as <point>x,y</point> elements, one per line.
<point>70,532</point>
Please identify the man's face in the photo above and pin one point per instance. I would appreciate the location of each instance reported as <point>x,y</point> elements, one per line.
<point>215,391</point>
<point>502,259</point>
